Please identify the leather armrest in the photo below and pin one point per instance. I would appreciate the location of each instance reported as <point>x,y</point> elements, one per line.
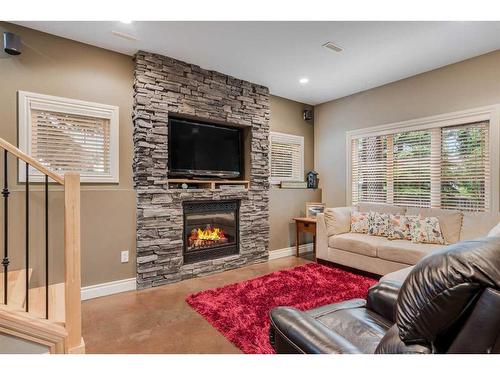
<point>382,299</point>
<point>293,331</point>
<point>320,311</point>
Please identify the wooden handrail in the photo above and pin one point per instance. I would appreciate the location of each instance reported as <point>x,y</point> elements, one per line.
<point>72,333</point>
<point>33,162</point>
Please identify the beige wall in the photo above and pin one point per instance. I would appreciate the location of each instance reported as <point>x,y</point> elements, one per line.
<point>57,66</point>
<point>285,204</point>
<point>468,84</point>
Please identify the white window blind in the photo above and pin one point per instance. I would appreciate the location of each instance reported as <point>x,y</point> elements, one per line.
<point>68,135</point>
<point>465,170</point>
<point>443,167</point>
<point>287,157</point>
<point>65,142</point>
<point>412,168</point>
<point>369,166</point>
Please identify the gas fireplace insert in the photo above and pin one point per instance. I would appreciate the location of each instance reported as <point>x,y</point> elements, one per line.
<point>211,229</point>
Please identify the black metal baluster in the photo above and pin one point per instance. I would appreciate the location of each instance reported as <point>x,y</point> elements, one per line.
<point>27,235</point>
<point>5,261</point>
<point>46,247</point>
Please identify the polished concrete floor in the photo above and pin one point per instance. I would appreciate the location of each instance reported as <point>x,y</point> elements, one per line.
<point>159,320</point>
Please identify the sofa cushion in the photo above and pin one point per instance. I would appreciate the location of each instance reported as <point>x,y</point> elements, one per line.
<point>450,221</point>
<point>338,220</point>
<point>361,327</point>
<point>378,224</point>
<point>427,230</point>
<point>495,231</point>
<point>477,224</point>
<point>358,243</point>
<point>403,251</point>
<point>381,207</point>
<point>400,227</point>
<point>359,221</point>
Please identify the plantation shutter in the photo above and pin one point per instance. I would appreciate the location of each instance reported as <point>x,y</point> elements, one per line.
<point>66,142</point>
<point>412,168</point>
<point>369,169</point>
<point>443,167</point>
<point>465,172</point>
<point>287,157</point>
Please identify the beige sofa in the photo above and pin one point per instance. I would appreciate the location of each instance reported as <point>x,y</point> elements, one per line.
<point>378,255</point>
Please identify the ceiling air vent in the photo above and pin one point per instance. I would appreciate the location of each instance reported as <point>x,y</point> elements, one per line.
<point>125,36</point>
<point>333,47</point>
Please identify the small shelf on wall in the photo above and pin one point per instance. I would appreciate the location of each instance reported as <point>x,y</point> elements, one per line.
<point>177,183</point>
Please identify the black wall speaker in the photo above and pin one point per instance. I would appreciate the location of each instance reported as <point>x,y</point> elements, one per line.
<point>11,43</point>
<point>308,114</point>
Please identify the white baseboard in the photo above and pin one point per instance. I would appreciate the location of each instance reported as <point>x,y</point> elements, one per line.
<point>289,251</point>
<point>105,289</point>
<point>125,285</point>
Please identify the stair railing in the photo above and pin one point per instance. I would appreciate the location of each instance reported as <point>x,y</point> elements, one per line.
<point>72,261</point>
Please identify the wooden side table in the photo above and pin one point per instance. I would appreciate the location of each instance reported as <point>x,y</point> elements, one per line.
<point>306,225</point>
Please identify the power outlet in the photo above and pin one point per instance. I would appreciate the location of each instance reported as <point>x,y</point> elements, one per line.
<point>124,256</point>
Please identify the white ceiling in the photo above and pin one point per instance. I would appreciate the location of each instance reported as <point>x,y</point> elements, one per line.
<point>278,54</point>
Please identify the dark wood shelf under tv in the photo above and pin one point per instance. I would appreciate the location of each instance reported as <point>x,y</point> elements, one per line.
<point>176,183</point>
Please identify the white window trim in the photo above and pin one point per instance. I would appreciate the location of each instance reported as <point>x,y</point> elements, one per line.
<point>487,113</point>
<point>300,141</point>
<point>29,100</point>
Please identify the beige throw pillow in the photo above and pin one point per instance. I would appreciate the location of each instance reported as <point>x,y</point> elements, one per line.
<point>359,222</point>
<point>427,230</point>
<point>450,221</point>
<point>378,224</point>
<point>338,220</point>
<point>400,227</point>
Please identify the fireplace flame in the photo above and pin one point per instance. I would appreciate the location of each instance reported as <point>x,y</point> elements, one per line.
<point>211,234</point>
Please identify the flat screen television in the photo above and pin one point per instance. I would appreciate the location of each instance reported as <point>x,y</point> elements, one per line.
<point>198,149</point>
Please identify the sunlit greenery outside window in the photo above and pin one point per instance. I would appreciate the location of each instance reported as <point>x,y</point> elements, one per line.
<point>443,167</point>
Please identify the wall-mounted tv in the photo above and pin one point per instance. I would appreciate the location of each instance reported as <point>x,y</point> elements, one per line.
<point>198,149</point>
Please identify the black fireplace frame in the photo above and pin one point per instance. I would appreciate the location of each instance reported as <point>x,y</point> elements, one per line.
<point>213,252</point>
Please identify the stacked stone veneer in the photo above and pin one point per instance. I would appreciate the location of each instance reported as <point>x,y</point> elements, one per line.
<point>164,86</point>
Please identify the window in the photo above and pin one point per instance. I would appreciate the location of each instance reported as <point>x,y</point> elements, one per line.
<point>69,135</point>
<point>287,157</point>
<point>440,162</point>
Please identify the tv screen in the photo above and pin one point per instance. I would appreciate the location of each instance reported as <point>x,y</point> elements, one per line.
<point>200,149</point>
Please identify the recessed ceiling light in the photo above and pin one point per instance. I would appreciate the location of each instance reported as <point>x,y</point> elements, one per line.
<point>333,46</point>
<point>304,80</point>
<point>126,22</point>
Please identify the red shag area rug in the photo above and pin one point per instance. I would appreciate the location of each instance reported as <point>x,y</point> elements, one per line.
<point>240,311</point>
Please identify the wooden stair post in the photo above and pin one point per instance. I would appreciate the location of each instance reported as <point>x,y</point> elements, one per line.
<point>72,262</point>
<point>64,298</point>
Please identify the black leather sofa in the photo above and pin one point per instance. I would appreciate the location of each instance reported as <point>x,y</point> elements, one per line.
<point>449,303</point>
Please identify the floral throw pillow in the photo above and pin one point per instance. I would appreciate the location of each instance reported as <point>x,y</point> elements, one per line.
<point>359,222</point>
<point>378,224</point>
<point>400,226</point>
<point>427,230</point>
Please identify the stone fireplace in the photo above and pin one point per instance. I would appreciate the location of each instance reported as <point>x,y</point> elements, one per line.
<point>189,232</point>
